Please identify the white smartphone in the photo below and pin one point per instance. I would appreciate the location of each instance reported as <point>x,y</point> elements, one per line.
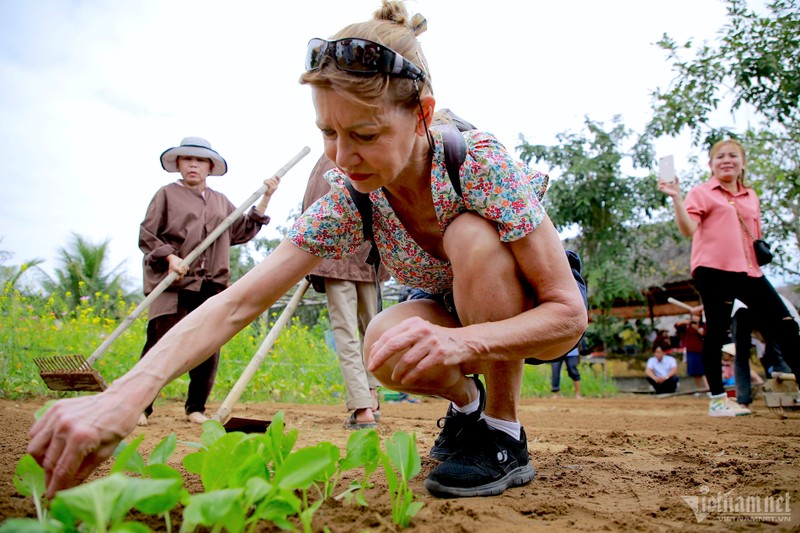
<point>666,169</point>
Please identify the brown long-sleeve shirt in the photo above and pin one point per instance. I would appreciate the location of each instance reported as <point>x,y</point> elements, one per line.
<point>176,222</point>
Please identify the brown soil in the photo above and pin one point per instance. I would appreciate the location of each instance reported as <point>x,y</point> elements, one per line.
<point>620,464</point>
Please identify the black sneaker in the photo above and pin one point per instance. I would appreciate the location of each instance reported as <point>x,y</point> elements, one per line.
<point>454,427</point>
<point>491,462</point>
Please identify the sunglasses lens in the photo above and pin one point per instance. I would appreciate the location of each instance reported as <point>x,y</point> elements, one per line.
<point>315,53</point>
<point>358,55</point>
<point>361,55</point>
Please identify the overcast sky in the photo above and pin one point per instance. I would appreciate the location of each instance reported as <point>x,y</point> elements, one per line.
<point>91,93</point>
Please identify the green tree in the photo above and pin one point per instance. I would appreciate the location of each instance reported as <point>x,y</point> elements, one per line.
<point>774,170</point>
<point>82,275</point>
<point>608,208</point>
<point>753,65</point>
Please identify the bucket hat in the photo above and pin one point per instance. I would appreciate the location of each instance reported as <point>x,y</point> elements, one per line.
<point>196,147</point>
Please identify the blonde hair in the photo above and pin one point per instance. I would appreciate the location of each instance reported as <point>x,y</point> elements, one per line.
<point>733,142</point>
<point>391,26</point>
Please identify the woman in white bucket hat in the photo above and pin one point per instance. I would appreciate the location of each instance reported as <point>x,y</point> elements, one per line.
<point>179,217</point>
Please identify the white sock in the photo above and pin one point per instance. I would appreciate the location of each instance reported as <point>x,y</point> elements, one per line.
<point>512,429</point>
<point>471,407</point>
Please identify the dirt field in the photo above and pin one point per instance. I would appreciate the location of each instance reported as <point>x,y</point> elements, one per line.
<point>631,463</point>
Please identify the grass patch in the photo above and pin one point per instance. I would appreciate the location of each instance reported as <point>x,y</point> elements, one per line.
<point>300,368</point>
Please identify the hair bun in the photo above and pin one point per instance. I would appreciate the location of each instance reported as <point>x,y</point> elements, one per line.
<point>419,24</point>
<point>395,11</point>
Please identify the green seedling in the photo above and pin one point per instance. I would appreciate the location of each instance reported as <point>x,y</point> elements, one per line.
<point>363,450</point>
<point>247,479</point>
<point>401,463</point>
<point>128,459</point>
<point>103,504</point>
<point>29,481</point>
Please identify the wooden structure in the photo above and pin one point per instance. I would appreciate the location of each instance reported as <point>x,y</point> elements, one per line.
<point>654,301</point>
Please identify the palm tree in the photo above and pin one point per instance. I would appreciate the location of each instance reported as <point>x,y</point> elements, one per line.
<point>82,274</point>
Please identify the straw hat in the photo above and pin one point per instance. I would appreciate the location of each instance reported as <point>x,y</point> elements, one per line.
<point>197,147</point>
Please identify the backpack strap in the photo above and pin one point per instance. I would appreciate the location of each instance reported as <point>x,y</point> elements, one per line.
<point>455,153</point>
<point>364,205</point>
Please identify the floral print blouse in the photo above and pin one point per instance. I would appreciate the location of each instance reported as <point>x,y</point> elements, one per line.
<point>494,185</point>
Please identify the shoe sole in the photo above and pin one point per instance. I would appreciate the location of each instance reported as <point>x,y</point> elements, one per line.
<point>728,414</point>
<point>516,478</point>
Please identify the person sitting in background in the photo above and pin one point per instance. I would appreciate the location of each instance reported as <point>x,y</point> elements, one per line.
<point>661,371</point>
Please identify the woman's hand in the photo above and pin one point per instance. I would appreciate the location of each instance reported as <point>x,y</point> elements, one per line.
<point>75,435</point>
<point>671,189</point>
<point>417,347</point>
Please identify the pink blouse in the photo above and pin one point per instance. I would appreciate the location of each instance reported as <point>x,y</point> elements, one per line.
<point>720,241</point>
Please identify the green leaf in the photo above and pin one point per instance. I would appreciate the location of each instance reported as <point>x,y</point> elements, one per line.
<point>29,479</point>
<point>128,458</point>
<point>97,503</point>
<point>162,472</point>
<point>193,462</point>
<point>391,475</point>
<point>212,431</point>
<point>213,508</point>
<point>130,527</point>
<point>278,508</point>
<point>163,451</point>
<point>411,512</point>
<point>156,496</point>
<point>24,525</point>
<point>402,450</point>
<point>251,466</point>
<point>223,460</point>
<point>303,467</point>
<point>362,449</point>
<point>256,489</point>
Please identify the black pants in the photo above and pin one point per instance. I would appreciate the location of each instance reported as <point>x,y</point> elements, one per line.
<point>718,289</point>
<point>201,377</point>
<point>772,360</point>
<point>665,387</point>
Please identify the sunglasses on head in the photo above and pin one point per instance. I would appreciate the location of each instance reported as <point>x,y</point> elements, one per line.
<point>361,56</point>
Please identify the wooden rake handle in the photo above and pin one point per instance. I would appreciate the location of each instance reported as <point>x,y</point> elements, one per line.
<point>224,412</point>
<point>679,304</point>
<point>189,259</point>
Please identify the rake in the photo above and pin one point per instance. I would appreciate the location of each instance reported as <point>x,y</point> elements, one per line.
<point>249,425</point>
<point>74,373</point>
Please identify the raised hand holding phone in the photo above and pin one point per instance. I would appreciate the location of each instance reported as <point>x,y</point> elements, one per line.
<point>666,169</point>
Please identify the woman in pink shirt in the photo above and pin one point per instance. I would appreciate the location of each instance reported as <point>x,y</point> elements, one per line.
<point>724,266</point>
